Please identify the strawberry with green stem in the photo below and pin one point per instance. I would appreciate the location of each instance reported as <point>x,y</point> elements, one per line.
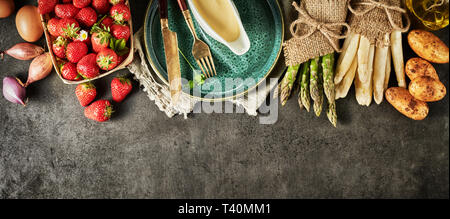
<point>59,47</point>
<point>100,37</point>
<point>69,71</point>
<point>86,93</point>
<point>120,88</point>
<point>100,111</point>
<point>120,13</point>
<point>107,59</point>
<point>69,28</point>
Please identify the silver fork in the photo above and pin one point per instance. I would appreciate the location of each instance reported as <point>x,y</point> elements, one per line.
<point>200,50</point>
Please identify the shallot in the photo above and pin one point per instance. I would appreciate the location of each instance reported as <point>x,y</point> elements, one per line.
<point>13,90</point>
<point>40,68</point>
<point>23,51</point>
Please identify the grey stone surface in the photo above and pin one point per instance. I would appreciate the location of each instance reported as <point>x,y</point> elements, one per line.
<point>49,150</point>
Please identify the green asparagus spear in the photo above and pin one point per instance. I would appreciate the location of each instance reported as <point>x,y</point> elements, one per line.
<point>331,114</point>
<point>328,84</point>
<point>288,83</point>
<point>303,96</point>
<point>316,86</point>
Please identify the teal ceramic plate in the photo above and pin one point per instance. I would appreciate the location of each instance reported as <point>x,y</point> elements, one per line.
<point>263,22</point>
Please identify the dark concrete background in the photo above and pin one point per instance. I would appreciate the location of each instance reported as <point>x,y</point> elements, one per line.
<point>49,150</point>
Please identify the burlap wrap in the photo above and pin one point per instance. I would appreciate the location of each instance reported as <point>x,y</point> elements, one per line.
<point>317,30</point>
<point>376,18</point>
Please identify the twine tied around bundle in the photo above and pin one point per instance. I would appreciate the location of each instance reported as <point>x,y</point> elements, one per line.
<point>327,29</point>
<point>372,4</point>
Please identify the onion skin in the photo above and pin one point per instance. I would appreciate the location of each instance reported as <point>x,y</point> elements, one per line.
<point>13,90</point>
<point>40,68</point>
<point>23,51</point>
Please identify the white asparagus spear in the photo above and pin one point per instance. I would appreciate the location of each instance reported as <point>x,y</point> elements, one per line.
<point>363,58</point>
<point>343,88</point>
<point>346,58</point>
<point>364,90</point>
<point>397,57</point>
<point>388,70</point>
<point>379,73</point>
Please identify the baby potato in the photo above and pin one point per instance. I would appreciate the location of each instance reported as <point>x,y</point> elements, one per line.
<point>428,46</point>
<point>405,103</point>
<point>427,89</point>
<point>417,67</point>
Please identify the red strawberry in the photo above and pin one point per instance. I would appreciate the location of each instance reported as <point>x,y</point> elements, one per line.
<point>107,23</point>
<point>69,72</point>
<point>120,13</point>
<point>81,3</point>
<point>46,6</point>
<point>59,47</point>
<point>86,93</point>
<point>69,27</point>
<point>76,51</point>
<point>107,59</point>
<point>101,6</point>
<point>87,66</point>
<point>87,16</point>
<point>100,40</point>
<point>115,2</point>
<point>53,27</point>
<point>120,88</point>
<point>100,111</point>
<point>66,10</point>
<point>120,31</point>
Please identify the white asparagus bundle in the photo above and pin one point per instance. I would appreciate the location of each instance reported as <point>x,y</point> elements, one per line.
<point>363,58</point>
<point>397,57</point>
<point>350,48</point>
<point>343,88</point>
<point>364,90</point>
<point>379,72</point>
<point>369,67</point>
<point>388,69</point>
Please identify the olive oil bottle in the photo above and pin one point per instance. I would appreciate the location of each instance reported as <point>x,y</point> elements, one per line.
<point>433,14</point>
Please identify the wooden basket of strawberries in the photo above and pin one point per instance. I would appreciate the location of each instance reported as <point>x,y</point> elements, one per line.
<point>87,39</point>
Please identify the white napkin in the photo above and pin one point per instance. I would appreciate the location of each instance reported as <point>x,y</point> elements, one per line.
<point>159,92</point>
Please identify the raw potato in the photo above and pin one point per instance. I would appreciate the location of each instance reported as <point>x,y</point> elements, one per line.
<point>428,46</point>
<point>397,57</point>
<point>417,67</point>
<point>406,104</point>
<point>427,89</point>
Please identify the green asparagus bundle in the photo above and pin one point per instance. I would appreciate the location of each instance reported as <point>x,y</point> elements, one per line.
<point>316,87</point>
<point>328,85</point>
<point>304,96</point>
<point>288,83</point>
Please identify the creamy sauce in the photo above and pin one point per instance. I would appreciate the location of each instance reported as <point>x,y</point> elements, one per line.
<point>220,17</point>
